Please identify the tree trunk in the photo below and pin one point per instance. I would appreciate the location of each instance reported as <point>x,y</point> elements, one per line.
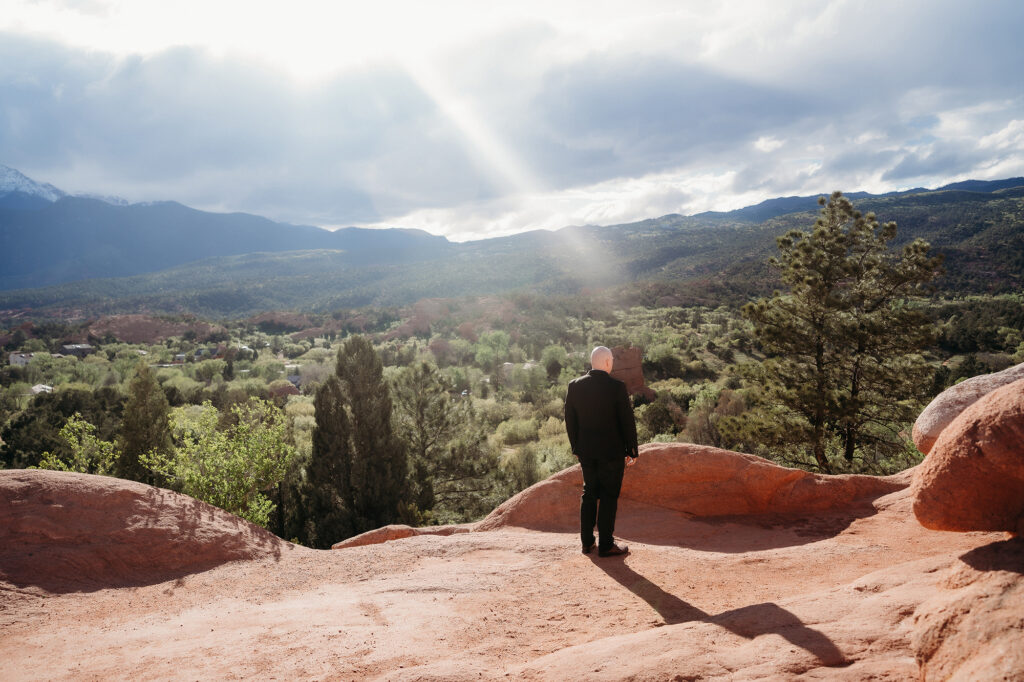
<point>849,442</point>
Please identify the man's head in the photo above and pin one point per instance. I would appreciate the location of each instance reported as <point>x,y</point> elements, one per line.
<point>601,358</point>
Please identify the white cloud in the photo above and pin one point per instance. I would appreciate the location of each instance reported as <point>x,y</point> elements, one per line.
<point>767,144</point>
<point>605,203</point>
<point>1010,137</point>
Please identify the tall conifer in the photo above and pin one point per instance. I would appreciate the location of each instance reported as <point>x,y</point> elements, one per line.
<point>145,426</point>
<point>843,344</point>
<point>379,467</point>
<point>326,501</point>
<point>356,478</point>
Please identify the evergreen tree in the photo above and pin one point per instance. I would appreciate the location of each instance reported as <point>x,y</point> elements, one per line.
<point>327,496</point>
<point>843,366</point>
<point>449,460</point>
<point>356,479</point>
<point>378,468</point>
<point>145,427</point>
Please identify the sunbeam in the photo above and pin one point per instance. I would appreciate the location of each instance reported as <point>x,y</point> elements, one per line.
<point>496,158</point>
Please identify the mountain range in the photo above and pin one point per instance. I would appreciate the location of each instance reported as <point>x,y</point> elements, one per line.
<point>100,255</point>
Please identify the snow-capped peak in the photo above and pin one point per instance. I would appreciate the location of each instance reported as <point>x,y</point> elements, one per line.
<point>112,200</point>
<point>13,181</point>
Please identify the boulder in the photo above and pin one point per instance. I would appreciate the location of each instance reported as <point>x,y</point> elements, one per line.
<point>64,531</point>
<point>696,480</point>
<point>972,629</point>
<point>950,403</point>
<point>973,478</point>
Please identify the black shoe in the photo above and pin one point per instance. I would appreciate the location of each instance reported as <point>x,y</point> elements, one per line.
<point>587,548</point>
<point>614,550</point>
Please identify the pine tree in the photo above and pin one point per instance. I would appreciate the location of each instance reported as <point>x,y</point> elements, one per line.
<point>378,469</point>
<point>842,343</point>
<point>328,495</point>
<point>356,478</point>
<point>145,427</point>
<point>449,460</point>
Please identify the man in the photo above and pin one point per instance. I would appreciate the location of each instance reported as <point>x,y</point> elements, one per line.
<point>602,434</point>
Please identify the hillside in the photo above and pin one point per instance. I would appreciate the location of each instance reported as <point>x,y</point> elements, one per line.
<point>236,265</point>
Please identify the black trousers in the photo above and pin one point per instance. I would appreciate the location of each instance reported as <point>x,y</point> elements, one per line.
<point>602,480</point>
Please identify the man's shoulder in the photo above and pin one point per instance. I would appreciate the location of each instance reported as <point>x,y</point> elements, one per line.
<point>596,377</point>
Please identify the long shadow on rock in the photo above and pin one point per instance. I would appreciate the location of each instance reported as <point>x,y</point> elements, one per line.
<point>747,621</point>
<point>733,534</point>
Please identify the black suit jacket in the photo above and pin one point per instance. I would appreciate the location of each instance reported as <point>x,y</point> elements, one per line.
<point>599,418</point>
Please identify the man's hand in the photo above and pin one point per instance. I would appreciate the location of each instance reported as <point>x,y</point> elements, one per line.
<point>630,461</point>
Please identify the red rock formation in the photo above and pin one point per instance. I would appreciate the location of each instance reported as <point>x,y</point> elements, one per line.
<point>149,329</point>
<point>697,480</point>
<point>848,586</point>
<point>628,368</point>
<point>75,531</point>
<point>398,532</point>
<point>973,478</point>
<point>946,406</point>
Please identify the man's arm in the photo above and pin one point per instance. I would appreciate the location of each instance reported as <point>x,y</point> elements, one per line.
<point>572,423</point>
<point>627,422</point>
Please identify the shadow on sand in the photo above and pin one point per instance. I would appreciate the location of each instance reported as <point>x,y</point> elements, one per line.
<point>747,622</point>
<point>734,534</point>
<point>1004,555</point>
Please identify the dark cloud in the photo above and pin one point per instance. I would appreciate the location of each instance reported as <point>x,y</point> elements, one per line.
<point>352,149</point>
<point>617,115</point>
<point>945,161</point>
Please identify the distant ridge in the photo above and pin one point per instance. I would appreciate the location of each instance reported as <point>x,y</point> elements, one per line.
<point>772,208</point>
<point>43,243</point>
<point>89,255</point>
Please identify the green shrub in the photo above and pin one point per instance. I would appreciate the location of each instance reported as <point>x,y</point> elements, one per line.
<point>515,431</point>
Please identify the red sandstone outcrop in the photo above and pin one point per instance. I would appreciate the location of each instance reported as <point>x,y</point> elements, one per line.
<point>75,531</point>
<point>739,570</point>
<point>627,367</point>
<point>946,406</point>
<point>699,481</point>
<point>399,532</point>
<point>973,478</point>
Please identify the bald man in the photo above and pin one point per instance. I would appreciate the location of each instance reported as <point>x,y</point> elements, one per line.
<point>602,434</point>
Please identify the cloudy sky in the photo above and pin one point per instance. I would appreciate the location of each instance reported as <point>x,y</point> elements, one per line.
<point>475,119</point>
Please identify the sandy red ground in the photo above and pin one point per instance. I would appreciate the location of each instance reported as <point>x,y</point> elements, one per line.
<point>825,595</point>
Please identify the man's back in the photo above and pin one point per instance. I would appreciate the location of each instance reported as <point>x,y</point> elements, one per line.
<point>598,417</point>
